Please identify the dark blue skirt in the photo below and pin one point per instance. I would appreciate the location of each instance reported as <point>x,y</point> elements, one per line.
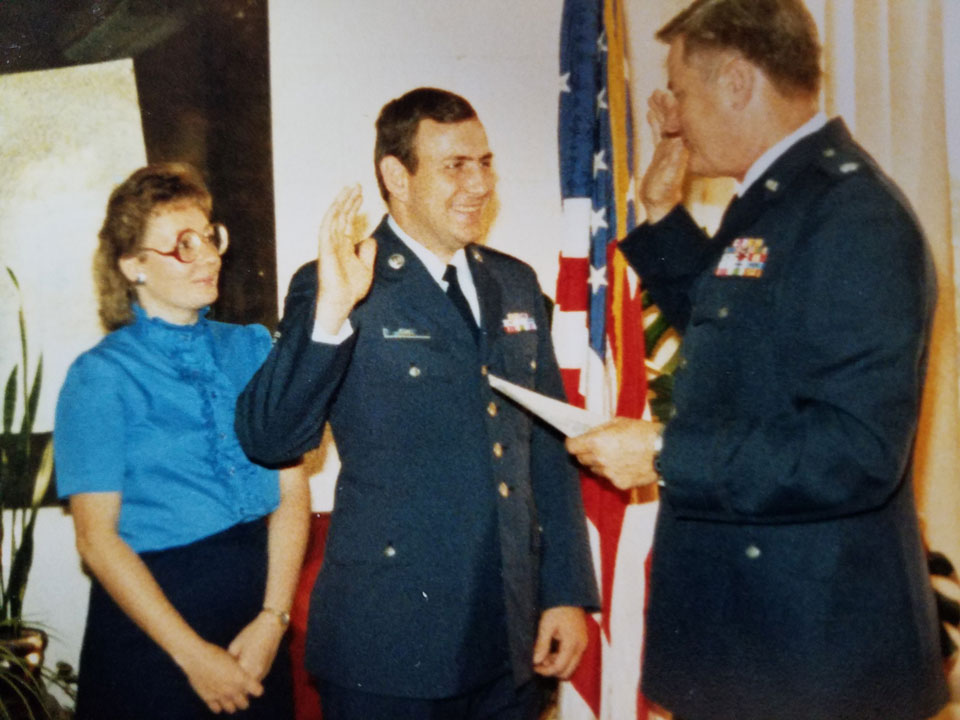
<point>217,585</point>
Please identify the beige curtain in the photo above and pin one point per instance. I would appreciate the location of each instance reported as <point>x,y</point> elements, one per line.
<point>888,74</point>
<point>893,73</point>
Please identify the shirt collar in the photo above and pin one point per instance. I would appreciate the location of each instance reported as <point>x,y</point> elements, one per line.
<point>431,262</point>
<point>763,163</point>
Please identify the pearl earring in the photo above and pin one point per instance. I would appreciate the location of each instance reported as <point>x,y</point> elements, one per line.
<point>141,278</point>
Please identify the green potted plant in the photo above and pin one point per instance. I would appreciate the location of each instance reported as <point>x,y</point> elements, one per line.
<point>25,473</point>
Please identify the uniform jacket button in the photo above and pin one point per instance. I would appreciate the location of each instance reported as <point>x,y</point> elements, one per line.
<point>504,490</point>
<point>497,450</point>
<point>723,312</point>
<point>389,551</point>
<point>752,552</point>
<point>414,371</point>
<point>492,409</point>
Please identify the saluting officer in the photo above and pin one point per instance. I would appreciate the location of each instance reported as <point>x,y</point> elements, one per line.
<point>457,563</point>
<point>789,580</point>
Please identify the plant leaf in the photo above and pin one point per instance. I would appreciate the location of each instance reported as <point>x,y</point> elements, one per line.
<point>653,332</point>
<point>20,571</point>
<point>10,400</point>
<point>44,473</point>
<point>13,277</point>
<point>31,412</point>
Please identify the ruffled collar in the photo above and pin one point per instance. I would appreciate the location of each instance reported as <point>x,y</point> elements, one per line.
<point>158,329</point>
<point>142,318</point>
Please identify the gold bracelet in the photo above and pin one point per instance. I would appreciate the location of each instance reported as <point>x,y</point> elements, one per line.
<point>282,616</point>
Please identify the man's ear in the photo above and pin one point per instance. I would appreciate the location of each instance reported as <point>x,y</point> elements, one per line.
<point>738,78</point>
<point>130,265</point>
<point>395,177</point>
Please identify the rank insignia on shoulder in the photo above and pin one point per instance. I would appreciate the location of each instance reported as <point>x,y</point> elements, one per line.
<point>405,334</point>
<point>515,322</point>
<point>744,257</point>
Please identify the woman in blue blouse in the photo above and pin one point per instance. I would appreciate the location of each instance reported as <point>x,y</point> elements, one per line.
<point>192,588</point>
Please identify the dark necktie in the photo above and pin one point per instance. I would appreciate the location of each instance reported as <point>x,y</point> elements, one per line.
<point>731,210</point>
<point>459,301</point>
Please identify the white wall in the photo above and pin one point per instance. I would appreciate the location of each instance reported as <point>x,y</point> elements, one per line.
<point>335,63</point>
<point>67,136</point>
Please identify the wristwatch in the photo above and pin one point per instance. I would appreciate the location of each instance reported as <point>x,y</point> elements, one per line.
<point>657,447</point>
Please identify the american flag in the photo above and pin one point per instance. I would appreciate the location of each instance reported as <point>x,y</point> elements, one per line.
<point>598,332</point>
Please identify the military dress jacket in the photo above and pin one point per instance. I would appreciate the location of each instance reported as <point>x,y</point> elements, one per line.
<point>789,579</point>
<point>457,517</point>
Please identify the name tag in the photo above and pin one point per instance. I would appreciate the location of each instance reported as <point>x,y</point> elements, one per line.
<point>405,334</point>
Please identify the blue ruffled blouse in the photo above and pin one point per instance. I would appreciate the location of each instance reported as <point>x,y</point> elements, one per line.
<point>148,412</point>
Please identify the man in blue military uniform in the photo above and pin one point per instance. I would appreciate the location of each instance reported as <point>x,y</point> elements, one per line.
<point>457,563</point>
<point>788,579</point>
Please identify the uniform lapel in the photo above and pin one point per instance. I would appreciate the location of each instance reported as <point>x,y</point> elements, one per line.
<point>775,182</point>
<point>489,296</point>
<point>410,291</point>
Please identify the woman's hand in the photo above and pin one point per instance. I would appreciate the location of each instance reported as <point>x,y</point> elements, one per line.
<point>219,679</point>
<point>256,645</point>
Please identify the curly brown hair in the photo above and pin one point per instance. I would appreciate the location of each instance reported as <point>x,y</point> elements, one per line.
<point>778,36</point>
<point>131,205</point>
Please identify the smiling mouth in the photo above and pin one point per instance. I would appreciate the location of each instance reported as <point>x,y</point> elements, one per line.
<point>474,211</point>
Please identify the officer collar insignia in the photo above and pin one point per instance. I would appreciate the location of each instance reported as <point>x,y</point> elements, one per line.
<point>744,257</point>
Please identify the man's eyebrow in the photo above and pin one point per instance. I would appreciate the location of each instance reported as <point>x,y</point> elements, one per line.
<point>468,158</point>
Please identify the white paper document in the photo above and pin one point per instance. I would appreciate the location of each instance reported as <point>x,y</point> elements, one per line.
<point>569,420</point>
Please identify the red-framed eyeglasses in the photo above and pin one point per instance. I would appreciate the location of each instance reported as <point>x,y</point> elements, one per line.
<point>190,243</point>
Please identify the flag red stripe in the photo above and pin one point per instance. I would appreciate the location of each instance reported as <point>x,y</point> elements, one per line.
<point>586,680</point>
<point>573,288</point>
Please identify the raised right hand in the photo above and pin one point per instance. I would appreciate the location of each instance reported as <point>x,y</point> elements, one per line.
<point>662,186</point>
<point>219,680</point>
<point>344,261</point>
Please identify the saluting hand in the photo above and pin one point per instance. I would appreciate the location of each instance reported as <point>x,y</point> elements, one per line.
<point>662,186</point>
<point>344,260</point>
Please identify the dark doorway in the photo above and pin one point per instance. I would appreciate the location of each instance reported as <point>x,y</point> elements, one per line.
<point>203,80</point>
